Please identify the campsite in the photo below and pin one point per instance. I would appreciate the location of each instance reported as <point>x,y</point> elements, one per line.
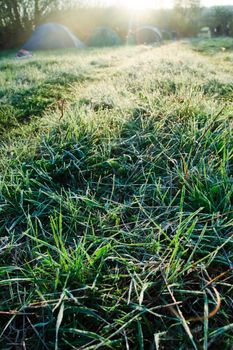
<point>116,187</point>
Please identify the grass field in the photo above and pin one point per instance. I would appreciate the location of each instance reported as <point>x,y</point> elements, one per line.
<point>116,198</point>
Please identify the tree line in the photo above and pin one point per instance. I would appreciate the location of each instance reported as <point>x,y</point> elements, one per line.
<point>18,18</point>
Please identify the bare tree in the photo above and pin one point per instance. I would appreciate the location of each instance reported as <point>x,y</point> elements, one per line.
<point>21,14</point>
<point>19,17</point>
<point>187,3</point>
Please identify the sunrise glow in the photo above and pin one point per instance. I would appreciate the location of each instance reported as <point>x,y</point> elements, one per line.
<point>156,4</point>
<point>139,4</point>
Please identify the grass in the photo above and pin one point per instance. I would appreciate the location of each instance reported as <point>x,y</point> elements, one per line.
<point>116,203</point>
<point>212,46</point>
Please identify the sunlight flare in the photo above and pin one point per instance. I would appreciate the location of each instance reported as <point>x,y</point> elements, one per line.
<point>139,4</point>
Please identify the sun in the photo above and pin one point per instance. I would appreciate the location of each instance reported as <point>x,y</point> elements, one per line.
<point>139,4</point>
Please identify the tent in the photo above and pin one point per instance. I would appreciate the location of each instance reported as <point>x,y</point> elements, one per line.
<point>104,36</point>
<point>166,34</point>
<point>52,36</point>
<point>148,35</point>
<point>205,33</point>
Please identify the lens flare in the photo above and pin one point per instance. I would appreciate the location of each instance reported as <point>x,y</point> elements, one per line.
<point>139,4</point>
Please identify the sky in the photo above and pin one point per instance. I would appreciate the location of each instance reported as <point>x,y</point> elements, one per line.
<point>216,2</point>
<point>140,4</point>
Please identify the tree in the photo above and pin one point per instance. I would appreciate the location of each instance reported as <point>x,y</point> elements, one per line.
<point>18,17</point>
<point>186,16</point>
<point>187,4</point>
<point>219,19</point>
<point>22,12</point>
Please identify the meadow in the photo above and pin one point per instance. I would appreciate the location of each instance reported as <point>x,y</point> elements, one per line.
<point>116,198</point>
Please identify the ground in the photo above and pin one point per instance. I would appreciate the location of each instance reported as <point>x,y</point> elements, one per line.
<point>116,198</point>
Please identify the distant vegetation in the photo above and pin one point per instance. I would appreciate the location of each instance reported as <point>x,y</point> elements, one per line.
<point>116,198</point>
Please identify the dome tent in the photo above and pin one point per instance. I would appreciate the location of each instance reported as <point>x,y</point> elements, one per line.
<point>104,36</point>
<point>52,36</point>
<point>166,34</point>
<point>148,35</point>
<point>205,33</point>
